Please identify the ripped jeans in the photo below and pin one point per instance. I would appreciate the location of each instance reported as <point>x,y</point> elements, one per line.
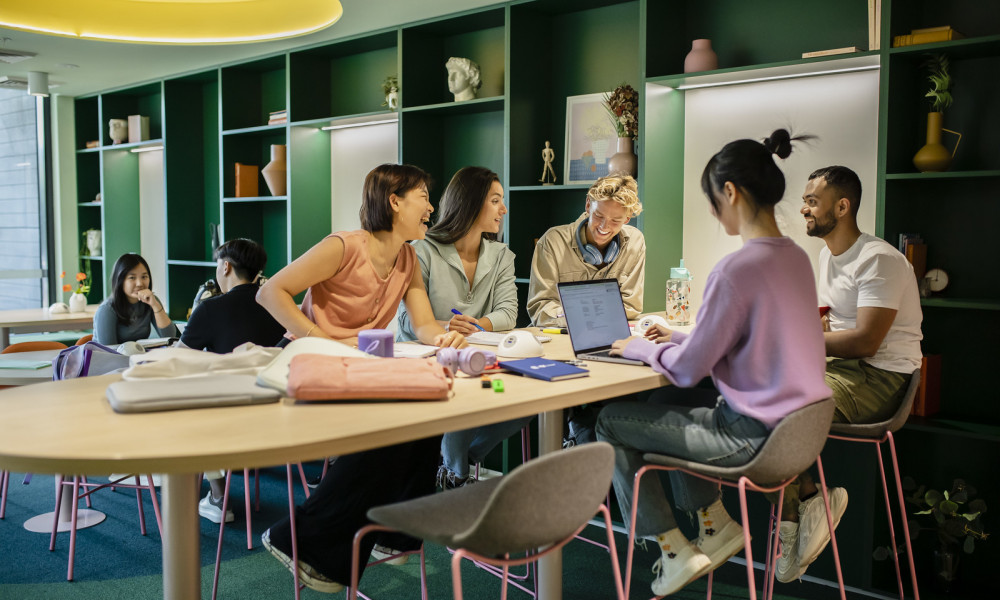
<point>717,435</point>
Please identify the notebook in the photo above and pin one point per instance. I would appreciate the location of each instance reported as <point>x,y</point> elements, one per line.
<point>544,368</point>
<point>413,350</point>
<point>493,338</point>
<point>595,317</point>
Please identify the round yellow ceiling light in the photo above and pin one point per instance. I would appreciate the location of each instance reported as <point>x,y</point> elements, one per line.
<point>172,21</point>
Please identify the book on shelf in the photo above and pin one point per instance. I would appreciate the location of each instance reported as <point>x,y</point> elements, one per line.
<point>874,24</point>
<point>246,180</point>
<point>915,250</point>
<point>830,52</point>
<point>277,121</point>
<point>926,36</point>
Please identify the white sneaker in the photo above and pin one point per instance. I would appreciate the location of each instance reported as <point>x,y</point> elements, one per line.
<point>678,567</point>
<point>211,509</point>
<point>787,568</point>
<point>814,532</point>
<point>382,552</point>
<point>309,576</point>
<point>720,537</point>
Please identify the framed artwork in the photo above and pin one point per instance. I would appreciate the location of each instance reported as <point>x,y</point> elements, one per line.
<point>590,139</point>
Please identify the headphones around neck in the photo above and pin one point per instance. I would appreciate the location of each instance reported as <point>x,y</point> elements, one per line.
<point>471,361</point>
<point>591,254</point>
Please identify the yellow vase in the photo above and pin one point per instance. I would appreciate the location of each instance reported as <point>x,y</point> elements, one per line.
<point>933,156</point>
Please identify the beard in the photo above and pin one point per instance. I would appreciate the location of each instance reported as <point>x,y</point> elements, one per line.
<point>822,227</point>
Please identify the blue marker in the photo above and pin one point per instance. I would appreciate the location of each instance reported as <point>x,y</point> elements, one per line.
<point>455,310</point>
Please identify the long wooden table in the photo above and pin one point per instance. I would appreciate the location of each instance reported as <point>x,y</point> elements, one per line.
<point>25,320</point>
<point>68,427</point>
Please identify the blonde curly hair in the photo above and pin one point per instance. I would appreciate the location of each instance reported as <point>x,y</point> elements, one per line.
<point>621,188</point>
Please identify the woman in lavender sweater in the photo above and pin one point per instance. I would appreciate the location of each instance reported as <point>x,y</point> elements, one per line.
<point>759,338</point>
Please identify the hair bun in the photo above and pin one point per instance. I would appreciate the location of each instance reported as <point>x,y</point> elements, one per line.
<point>780,143</point>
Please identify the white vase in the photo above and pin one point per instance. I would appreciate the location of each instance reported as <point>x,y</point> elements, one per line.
<point>77,302</point>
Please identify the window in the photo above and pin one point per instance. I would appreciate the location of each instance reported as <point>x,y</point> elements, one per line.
<point>23,236</point>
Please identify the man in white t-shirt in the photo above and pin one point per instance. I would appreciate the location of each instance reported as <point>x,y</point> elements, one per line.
<point>872,333</point>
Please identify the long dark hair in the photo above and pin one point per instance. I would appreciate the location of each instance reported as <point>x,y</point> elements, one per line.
<point>461,203</point>
<point>119,301</point>
<point>749,165</point>
<point>246,256</point>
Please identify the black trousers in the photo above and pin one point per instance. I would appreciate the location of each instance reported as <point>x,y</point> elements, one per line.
<point>327,521</point>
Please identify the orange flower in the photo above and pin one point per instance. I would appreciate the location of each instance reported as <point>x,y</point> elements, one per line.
<point>63,276</point>
<point>81,276</point>
<point>67,287</point>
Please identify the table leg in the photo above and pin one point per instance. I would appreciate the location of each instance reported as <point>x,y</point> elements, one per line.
<point>4,337</point>
<point>181,560</point>
<point>85,517</point>
<point>550,429</point>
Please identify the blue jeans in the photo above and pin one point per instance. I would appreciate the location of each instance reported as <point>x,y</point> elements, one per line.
<point>717,435</point>
<point>460,448</point>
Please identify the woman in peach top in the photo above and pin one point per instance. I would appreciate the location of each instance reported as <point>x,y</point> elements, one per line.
<point>355,281</point>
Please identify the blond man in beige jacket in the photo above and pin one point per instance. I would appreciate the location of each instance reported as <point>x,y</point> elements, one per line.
<point>598,245</point>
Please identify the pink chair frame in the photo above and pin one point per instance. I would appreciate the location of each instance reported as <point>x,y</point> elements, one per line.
<point>888,505</point>
<point>81,481</point>
<point>773,550</point>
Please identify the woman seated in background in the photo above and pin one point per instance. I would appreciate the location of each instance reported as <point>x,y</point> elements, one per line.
<point>757,336</point>
<point>221,323</point>
<point>355,281</point>
<point>465,268</point>
<point>132,309</point>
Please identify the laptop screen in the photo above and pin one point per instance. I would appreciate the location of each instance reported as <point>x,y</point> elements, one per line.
<point>595,314</point>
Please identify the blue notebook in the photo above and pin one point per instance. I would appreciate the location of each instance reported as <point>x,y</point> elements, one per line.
<point>544,368</point>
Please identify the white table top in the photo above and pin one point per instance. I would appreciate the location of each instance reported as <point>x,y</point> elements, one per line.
<point>27,376</point>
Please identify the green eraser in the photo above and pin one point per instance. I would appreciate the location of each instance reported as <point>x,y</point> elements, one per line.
<point>497,385</point>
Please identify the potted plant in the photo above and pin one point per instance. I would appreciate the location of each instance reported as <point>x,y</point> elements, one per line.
<point>933,156</point>
<point>623,109</point>
<point>78,298</point>
<point>956,521</point>
<point>390,89</point>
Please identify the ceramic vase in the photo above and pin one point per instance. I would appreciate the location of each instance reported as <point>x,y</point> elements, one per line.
<point>274,171</point>
<point>933,156</point>
<point>701,57</point>
<point>623,162</point>
<point>392,100</point>
<point>94,242</point>
<point>77,302</point>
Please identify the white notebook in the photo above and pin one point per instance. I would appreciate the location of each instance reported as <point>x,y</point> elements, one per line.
<point>412,350</point>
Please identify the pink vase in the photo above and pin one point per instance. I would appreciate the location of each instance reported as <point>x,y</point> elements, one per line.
<point>701,57</point>
<point>274,171</point>
<point>623,162</point>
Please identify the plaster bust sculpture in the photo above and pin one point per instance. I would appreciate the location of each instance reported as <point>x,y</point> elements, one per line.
<point>463,78</point>
<point>118,130</point>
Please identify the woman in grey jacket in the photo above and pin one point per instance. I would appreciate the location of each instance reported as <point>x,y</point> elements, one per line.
<point>466,269</point>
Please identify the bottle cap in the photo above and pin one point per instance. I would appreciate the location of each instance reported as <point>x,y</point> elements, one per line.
<point>680,272</point>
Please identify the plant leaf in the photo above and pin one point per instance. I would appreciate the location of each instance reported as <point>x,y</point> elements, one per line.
<point>948,507</point>
<point>978,505</point>
<point>969,545</point>
<point>932,497</point>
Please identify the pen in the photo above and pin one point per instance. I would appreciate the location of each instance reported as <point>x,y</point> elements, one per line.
<point>454,310</point>
<point>555,330</point>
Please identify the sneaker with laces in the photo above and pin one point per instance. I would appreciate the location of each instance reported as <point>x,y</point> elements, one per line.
<point>679,565</point>
<point>309,576</point>
<point>211,509</point>
<point>384,552</point>
<point>719,536</point>
<point>314,482</point>
<point>787,567</point>
<point>448,480</point>
<point>814,532</point>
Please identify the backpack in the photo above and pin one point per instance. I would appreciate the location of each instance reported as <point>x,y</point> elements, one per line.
<point>87,359</point>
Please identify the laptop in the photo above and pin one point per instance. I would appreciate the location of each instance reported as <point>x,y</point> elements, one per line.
<point>595,317</point>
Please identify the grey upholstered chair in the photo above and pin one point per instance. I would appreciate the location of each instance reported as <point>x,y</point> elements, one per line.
<point>541,504</point>
<point>791,448</point>
<point>877,433</point>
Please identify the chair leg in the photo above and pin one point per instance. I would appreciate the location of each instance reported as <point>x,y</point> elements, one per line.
<point>138,500</point>
<point>291,518</point>
<point>72,531</point>
<point>4,479</point>
<point>55,513</point>
<point>302,479</point>
<point>246,507</point>
<point>746,538</point>
<point>829,522</point>
<point>155,503</point>
<point>456,573</point>
<point>222,531</point>
<point>615,568</point>
<point>902,511</point>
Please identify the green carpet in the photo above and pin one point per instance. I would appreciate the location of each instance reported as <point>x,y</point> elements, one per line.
<point>115,562</point>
